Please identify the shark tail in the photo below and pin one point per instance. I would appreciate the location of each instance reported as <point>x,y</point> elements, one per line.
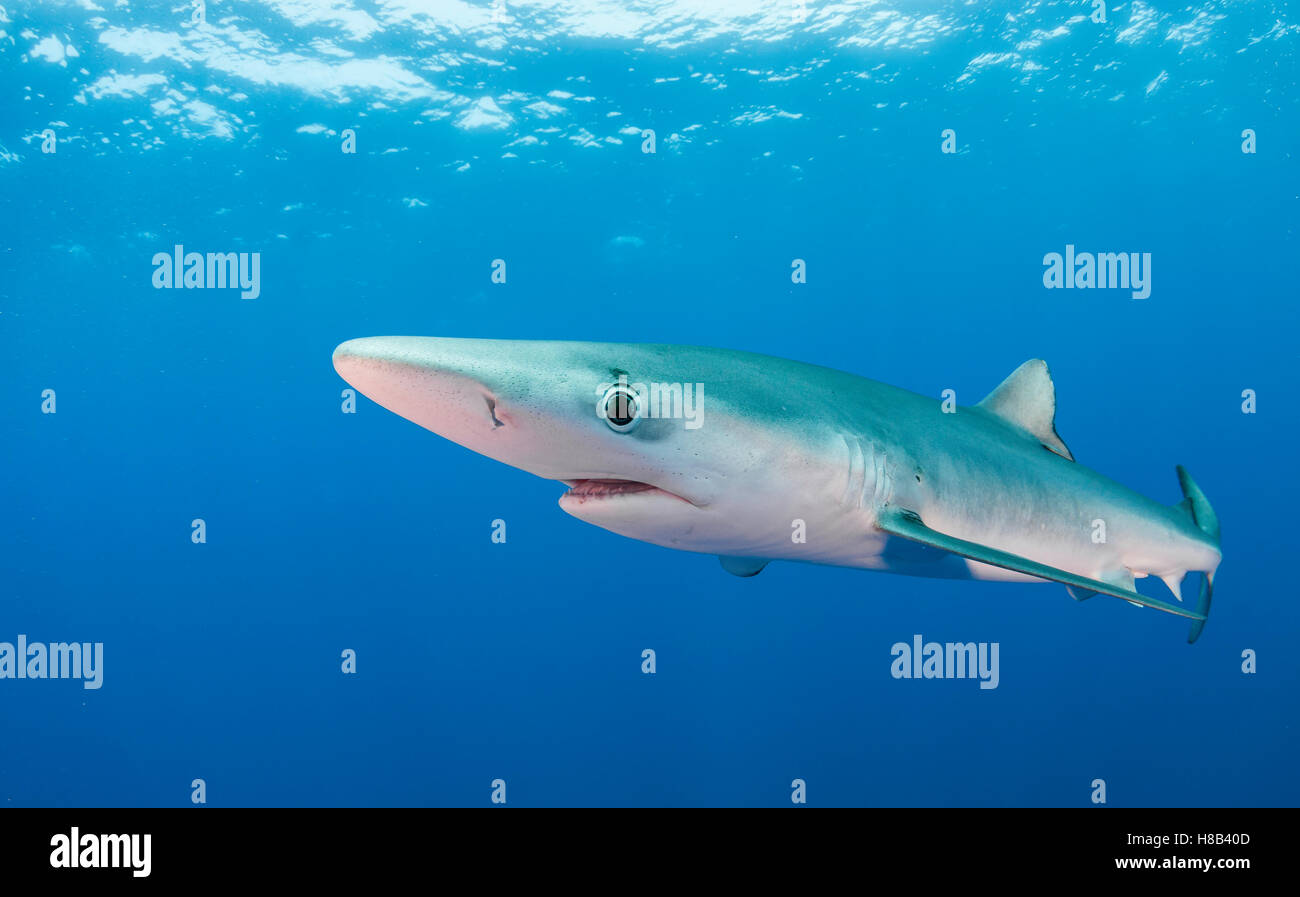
<point>1198,507</point>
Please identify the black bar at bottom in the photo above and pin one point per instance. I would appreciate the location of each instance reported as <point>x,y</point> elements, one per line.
<point>335,847</point>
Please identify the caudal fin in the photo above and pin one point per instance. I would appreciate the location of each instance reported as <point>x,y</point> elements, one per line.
<point>1207,521</point>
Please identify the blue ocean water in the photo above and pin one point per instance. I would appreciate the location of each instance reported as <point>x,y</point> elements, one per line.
<point>782,131</point>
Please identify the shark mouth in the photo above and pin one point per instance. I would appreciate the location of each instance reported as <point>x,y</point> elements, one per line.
<point>585,490</point>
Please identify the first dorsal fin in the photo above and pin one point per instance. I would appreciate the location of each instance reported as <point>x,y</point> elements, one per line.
<point>1027,399</point>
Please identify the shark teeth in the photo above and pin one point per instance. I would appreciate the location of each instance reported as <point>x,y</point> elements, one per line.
<point>596,488</point>
<point>584,490</point>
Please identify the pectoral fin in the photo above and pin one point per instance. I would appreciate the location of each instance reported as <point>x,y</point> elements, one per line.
<point>908,525</point>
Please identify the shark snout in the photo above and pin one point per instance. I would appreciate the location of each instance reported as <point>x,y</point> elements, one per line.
<point>439,384</point>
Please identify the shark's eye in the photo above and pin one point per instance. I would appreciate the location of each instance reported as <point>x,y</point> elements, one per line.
<point>620,408</point>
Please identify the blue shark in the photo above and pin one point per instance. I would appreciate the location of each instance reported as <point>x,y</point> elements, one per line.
<point>787,461</point>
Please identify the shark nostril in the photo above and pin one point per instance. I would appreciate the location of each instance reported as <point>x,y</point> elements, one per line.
<point>492,411</point>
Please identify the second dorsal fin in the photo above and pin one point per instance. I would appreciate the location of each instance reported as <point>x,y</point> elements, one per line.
<point>1027,399</point>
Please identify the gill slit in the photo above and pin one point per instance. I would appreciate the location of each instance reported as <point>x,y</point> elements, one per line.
<point>869,482</point>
